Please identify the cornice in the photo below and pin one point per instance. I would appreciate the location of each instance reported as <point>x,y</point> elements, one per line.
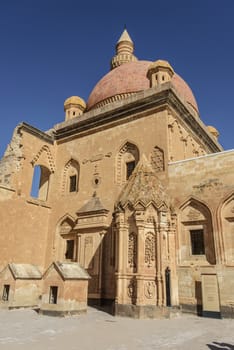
<point>136,107</point>
<point>36,132</point>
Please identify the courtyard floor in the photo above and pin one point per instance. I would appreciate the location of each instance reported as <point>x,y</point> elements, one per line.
<point>25,329</point>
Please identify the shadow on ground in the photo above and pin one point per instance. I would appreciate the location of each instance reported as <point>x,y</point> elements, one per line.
<point>221,346</point>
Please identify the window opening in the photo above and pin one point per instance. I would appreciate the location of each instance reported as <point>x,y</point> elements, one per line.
<point>6,291</point>
<point>69,249</point>
<point>130,166</point>
<point>40,182</point>
<point>197,242</point>
<point>73,183</point>
<point>53,295</point>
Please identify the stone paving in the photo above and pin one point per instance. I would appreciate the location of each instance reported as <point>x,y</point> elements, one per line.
<point>25,329</point>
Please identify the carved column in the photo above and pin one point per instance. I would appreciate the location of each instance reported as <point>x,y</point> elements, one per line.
<point>140,223</point>
<point>121,258</point>
<point>78,247</point>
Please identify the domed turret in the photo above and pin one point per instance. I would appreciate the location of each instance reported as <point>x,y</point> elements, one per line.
<point>159,72</point>
<point>213,131</point>
<point>73,107</point>
<point>124,51</point>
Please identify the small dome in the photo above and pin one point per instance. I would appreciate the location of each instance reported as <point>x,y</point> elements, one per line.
<point>213,131</point>
<point>160,64</point>
<point>130,78</point>
<point>74,100</point>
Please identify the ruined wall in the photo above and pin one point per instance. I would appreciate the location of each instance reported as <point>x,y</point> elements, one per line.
<point>23,219</point>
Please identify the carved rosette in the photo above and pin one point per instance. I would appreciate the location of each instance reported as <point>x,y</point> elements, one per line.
<point>132,250</point>
<point>149,289</point>
<point>150,250</point>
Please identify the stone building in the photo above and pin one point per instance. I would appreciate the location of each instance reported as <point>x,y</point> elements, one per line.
<point>134,188</point>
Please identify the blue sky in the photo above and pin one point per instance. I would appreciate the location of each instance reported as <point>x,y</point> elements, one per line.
<point>52,49</point>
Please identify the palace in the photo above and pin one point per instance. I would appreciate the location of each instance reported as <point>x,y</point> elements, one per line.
<point>128,203</point>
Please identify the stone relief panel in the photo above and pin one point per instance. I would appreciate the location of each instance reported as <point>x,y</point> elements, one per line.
<point>149,289</point>
<point>132,251</point>
<point>157,159</point>
<point>150,250</point>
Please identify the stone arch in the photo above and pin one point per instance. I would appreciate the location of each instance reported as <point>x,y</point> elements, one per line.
<point>44,157</point>
<point>127,156</point>
<point>64,234</point>
<point>70,176</point>
<point>226,214</point>
<point>196,238</point>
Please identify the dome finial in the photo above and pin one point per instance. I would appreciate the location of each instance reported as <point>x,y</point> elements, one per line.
<point>124,50</point>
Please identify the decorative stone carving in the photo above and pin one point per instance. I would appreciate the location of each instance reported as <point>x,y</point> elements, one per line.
<point>132,250</point>
<point>157,159</point>
<point>45,149</point>
<point>97,157</point>
<point>71,167</point>
<point>194,215</point>
<point>149,289</point>
<point>132,288</point>
<point>65,228</point>
<point>132,150</point>
<point>208,185</point>
<point>150,250</point>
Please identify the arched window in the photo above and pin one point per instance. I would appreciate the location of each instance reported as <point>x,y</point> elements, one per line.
<point>227,217</point>
<point>196,239</point>
<point>40,182</point>
<point>127,160</point>
<point>70,181</point>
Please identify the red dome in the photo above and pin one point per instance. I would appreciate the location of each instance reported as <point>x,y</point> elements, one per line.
<point>129,78</point>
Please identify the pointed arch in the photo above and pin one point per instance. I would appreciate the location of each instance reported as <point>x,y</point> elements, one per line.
<point>126,160</point>
<point>65,224</point>
<point>226,216</point>
<point>65,244</point>
<point>195,236</point>
<point>70,176</point>
<point>44,157</point>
